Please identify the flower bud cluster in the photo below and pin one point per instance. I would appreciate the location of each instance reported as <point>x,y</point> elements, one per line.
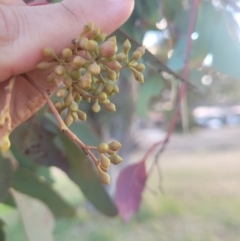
<point>108,155</point>
<point>88,72</point>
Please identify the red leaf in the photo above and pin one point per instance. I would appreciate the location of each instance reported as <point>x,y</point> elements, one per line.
<point>130,185</point>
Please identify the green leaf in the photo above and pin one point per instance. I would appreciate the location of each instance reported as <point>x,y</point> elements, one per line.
<point>29,183</point>
<point>177,16</point>
<point>69,158</point>
<point>144,17</point>
<point>149,89</point>
<point>171,8</point>
<point>37,222</point>
<point>176,62</point>
<point>2,233</point>
<point>33,146</point>
<point>85,133</point>
<point>207,19</point>
<point>23,159</point>
<point>82,172</point>
<point>225,49</point>
<point>6,176</point>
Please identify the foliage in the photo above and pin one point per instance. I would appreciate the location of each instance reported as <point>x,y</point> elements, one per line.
<point>38,144</point>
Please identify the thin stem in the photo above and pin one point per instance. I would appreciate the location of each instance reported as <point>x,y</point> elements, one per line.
<point>182,92</point>
<point>84,92</point>
<point>61,123</point>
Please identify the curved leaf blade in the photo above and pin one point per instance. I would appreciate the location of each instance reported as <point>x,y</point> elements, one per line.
<point>130,185</point>
<point>82,172</point>
<point>39,229</point>
<point>30,184</point>
<point>2,233</point>
<point>6,176</point>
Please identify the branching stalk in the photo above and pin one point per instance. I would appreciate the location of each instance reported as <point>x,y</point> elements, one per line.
<point>61,123</point>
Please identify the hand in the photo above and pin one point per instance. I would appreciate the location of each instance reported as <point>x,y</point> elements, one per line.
<point>26,30</point>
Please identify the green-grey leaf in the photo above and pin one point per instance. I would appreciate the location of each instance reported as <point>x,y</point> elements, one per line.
<point>29,183</point>
<point>2,233</point>
<point>149,89</point>
<point>82,172</point>
<point>6,176</point>
<point>37,222</point>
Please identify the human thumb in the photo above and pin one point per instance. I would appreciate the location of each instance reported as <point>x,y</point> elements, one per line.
<point>26,30</point>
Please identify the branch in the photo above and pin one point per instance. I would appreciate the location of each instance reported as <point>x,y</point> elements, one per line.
<point>163,144</point>
<point>61,123</point>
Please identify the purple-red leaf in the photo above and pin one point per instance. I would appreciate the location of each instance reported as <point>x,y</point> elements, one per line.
<point>130,185</point>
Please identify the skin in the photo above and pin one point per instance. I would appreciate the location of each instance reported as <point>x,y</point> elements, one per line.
<point>26,30</point>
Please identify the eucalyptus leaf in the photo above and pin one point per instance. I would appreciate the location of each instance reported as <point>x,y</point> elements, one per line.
<point>37,222</point>
<point>6,176</point>
<point>82,172</point>
<point>149,89</point>
<point>31,184</point>
<point>2,233</point>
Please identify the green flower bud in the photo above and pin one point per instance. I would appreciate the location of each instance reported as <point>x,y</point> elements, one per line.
<point>126,46</point>
<point>110,152</point>
<point>78,62</point>
<point>111,75</point>
<point>121,57</point>
<point>61,93</point>
<point>92,45</point>
<point>68,81</point>
<point>94,68</point>
<point>45,65</point>
<point>103,169</point>
<point>59,70</point>
<point>103,147</point>
<point>115,89</point>
<point>140,67</point>
<point>59,105</point>
<point>73,107</point>
<point>67,53</point>
<point>96,107</point>
<point>68,98</point>
<point>48,52</point>
<point>114,145</point>
<point>88,28</point>
<point>101,37</point>
<point>102,96</point>
<point>85,81</point>
<point>75,74</point>
<point>74,115</point>
<point>77,98</point>
<point>137,75</point>
<point>114,65</point>
<point>5,143</point>
<point>108,49</point>
<point>83,43</point>
<point>115,159</point>
<point>136,55</point>
<point>110,107</point>
<point>103,176</point>
<point>108,89</point>
<point>82,115</point>
<point>68,119</point>
<point>141,49</point>
<point>105,162</point>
